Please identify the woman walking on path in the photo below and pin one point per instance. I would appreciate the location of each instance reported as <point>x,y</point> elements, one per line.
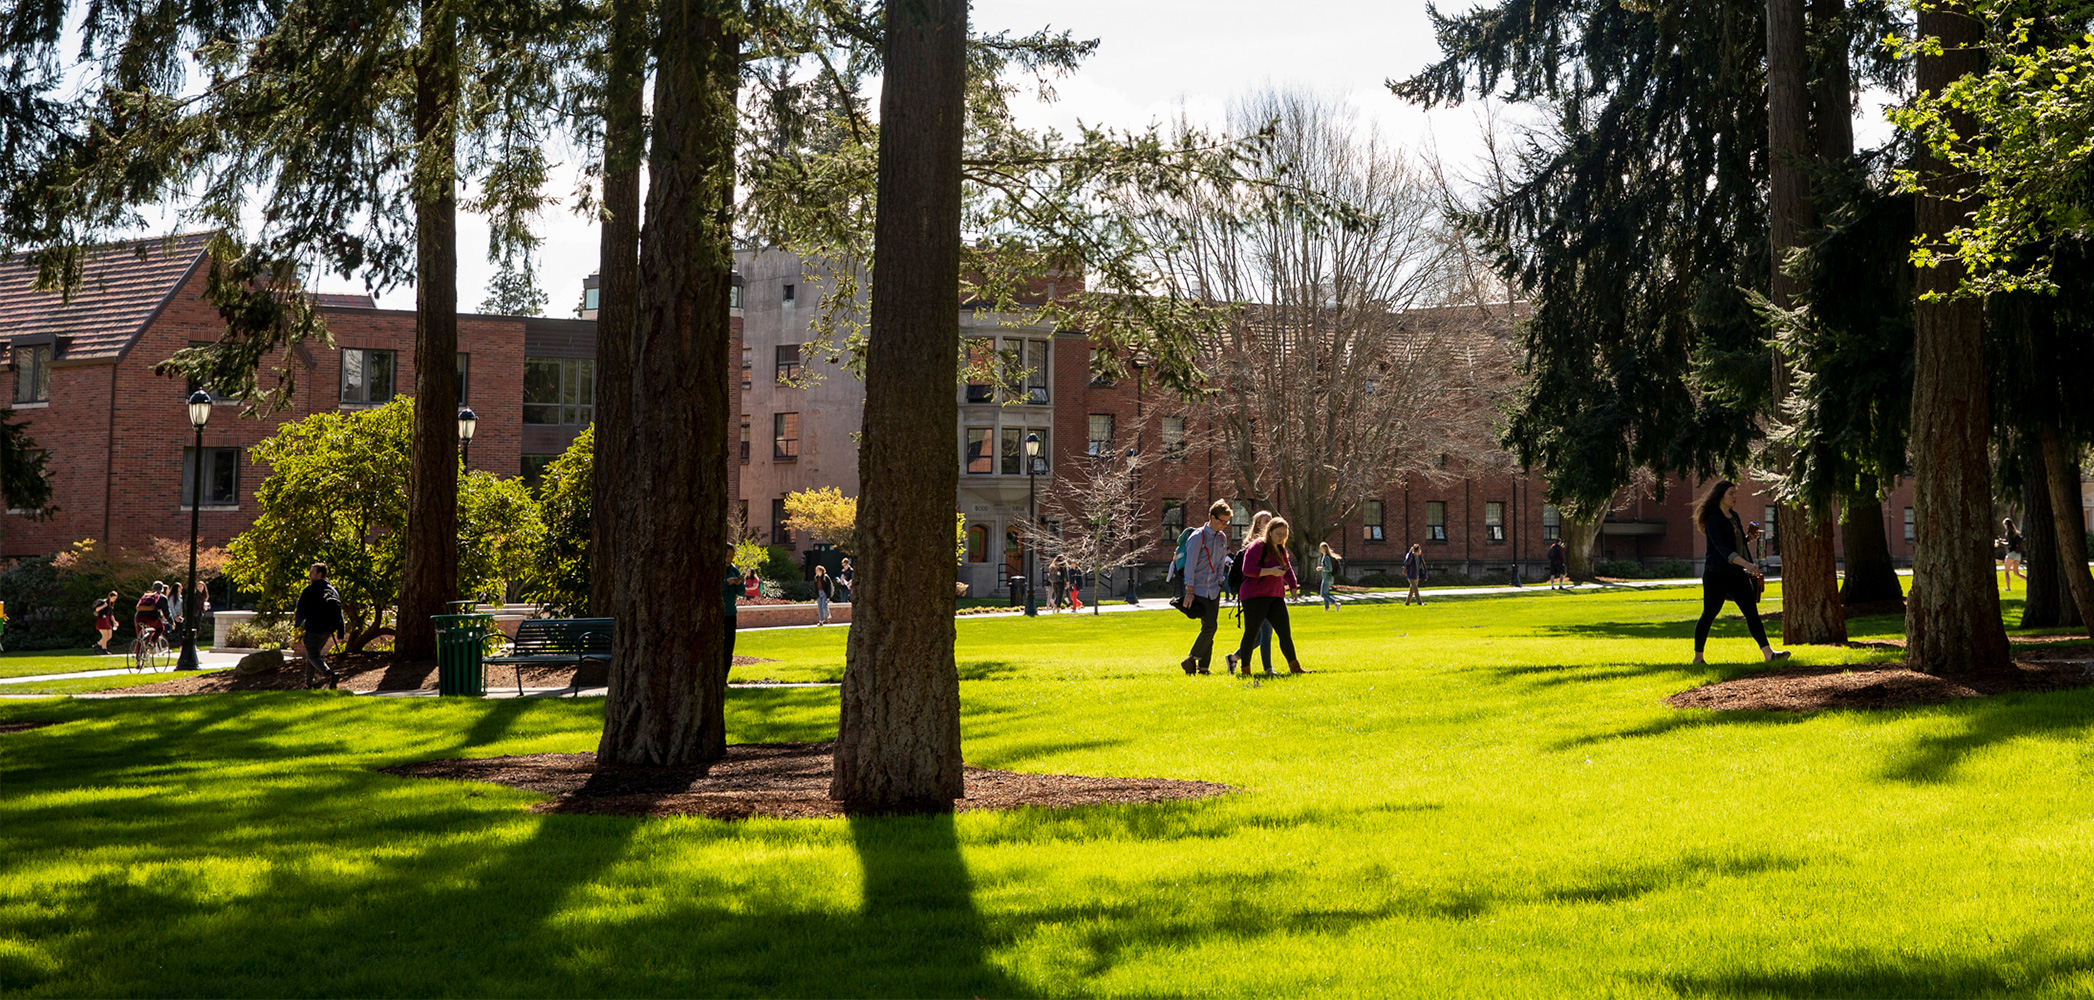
<point>1326,566</point>
<point>2010,537</point>
<point>1414,571</point>
<point>1259,522</point>
<point>823,588</point>
<point>105,621</point>
<point>1728,574</point>
<point>1268,573</point>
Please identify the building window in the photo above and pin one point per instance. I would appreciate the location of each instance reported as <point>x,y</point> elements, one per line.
<point>1551,522</point>
<point>1014,450</point>
<point>1908,524</point>
<point>194,385</point>
<point>1098,377</point>
<point>780,534</point>
<point>745,440</point>
<point>789,292</point>
<point>559,391</point>
<point>1173,520</point>
<point>1239,521</point>
<point>221,477</point>
<point>748,363</point>
<point>977,543</point>
<point>534,469</point>
<point>785,437</point>
<point>981,365</point>
<point>1771,541</point>
<point>1371,522</point>
<point>1174,439</point>
<point>734,296</point>
<point>1101,436</point>
<point>1036,371</point>
<point>591,297</point>
<point>367,376</point>
<point>979,461</point>
<point>1493,521</point>
<point>465,371</point>
<point>788,364</point>
<point>1435,520</point>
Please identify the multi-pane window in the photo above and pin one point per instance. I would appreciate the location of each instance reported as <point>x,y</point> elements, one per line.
<point>790,292</point>
<point>1174,439</point>
<point>1908,524</point>
<point>534,469</point>
<point>221,477</point>
<point>1493,521</point>
<point>981,364</point>
<point>367,376</point>
<point>1771,541</point>
<point>980,462</point>
<point>592,299</point>
<point>1101,436</point>
<point>559,391</point>
<point>785,436</point>
<point>1435,520</point>
<point>1371,522</point>
<point>780,534</point>
<point>1013,449</point>
<point>1173,520</point>
<point>465,371</point>
<point>1098,377</point>
<point>1036,371</point>
<point>748,363</point>
<point>788,364</point>
<point>734,296</point>
<point>1551,522</point>
<point>745,439</point>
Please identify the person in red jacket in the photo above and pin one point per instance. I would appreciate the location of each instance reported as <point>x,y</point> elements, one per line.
<point>1268,574</point>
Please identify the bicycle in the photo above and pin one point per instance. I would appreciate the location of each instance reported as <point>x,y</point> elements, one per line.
<point>148,649</point>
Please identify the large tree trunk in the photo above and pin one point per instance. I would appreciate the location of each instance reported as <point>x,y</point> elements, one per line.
<point>666,704</point>
<point>1578,537</point>
<point>2062,463</point>
<point>1871,576</point>
<point>898,744</point>
<point>2046,604</point>
<point>1952,618</point>
<point>618,273</point>
<point>1810,603</point>
<point>429,569</point>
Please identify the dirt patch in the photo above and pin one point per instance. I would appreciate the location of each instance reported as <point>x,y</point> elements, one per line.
<point>23,727</point>
<point>777,780</point>
<point>1878,686</point>
<point>1862,609</point>
<point>372,673</point>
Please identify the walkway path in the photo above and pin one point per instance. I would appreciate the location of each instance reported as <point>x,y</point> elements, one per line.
<point>204,658</point>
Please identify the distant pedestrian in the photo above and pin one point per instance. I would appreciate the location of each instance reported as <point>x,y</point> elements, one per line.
<point>1058,583</point>
<point>1559,572</point>
<point>1327,567</point>
<point>149,615</point>
<point>1268,573</point>
<point>731,586</point>
<point>1259,522</point>
<point>1727,574</point>
<point>318,618</point>
<point>1206,568</point>
<point>105,621</point>
<point>824,587</point>
<point>1414,570</point>
<point>751,586</point>
<point>847,580</point>
<point>2010,539</point>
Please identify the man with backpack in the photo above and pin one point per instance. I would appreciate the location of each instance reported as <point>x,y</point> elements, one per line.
<point>1205,557</point>
<point>319,618</point>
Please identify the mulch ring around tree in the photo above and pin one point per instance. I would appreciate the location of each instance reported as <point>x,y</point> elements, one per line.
<point>774,780</point>
<point>24,726</point>
<point>379,673</point>
<point>1883,685</point>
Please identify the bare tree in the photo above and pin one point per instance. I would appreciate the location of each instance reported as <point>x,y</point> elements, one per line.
<point>1093,516</point>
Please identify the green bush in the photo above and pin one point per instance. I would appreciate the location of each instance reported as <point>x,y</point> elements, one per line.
<point>1377,578</point>
<point>558,577</point>
<point>45,610</point>
<point>796,590</point>
<point>1622,569</point>
<point>1674,568</point>
<point>780,565</point>
<point>263,634</point>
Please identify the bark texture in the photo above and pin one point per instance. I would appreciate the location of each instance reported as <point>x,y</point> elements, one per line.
<point>898,744</point>
<point>618,290</point>
<point>1578,537</point>
<point>1952,618</point>
<point>2062,463</point>
<point>2046,604</point>
<point>1810,603</point>
<point>1871,576</point>
<point>429,567</point>
<point>668,682</point>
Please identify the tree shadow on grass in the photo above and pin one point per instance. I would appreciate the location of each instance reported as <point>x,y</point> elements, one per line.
<point>1682,719</point>
<point>2021,969</point>
<point>2055,715</point>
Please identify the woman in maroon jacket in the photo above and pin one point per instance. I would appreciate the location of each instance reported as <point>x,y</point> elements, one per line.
<point>1268,573</point>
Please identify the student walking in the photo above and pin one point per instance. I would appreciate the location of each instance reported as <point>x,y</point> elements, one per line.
<point>1259,522</point>
<point>1414,571</point>
<point>1559,573</point>
<point>2010,539</point>
<point>319,619</point>
<point>1058,578</point>
<point>846,579</point>
<point>1326,567</point>
<point>824,587</point>
<point>730,597</point>
<point>1206,569</point>
<point>105,621</point>
<point>1268,573</point>
<point>1728,575</point>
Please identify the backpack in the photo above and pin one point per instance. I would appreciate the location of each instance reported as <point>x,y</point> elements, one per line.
<point>1236,573</point>
<point>148,604</point>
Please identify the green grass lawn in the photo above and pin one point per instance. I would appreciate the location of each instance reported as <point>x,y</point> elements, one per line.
<point>1480,797</point>
<point>61,661</point>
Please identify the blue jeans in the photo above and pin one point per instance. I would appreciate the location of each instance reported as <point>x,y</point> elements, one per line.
<point>821,607</point>
<point>1328,601</point>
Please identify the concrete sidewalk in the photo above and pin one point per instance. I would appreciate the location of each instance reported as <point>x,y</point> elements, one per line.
<point>206,660</point>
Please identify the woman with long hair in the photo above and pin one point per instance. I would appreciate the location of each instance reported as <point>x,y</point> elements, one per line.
<point>2010,539</point>
<point>1727,574</point>
<point>824,590</point>
<point>1268,573</point>
<point>1327,567</point>
<point>1259,522</point>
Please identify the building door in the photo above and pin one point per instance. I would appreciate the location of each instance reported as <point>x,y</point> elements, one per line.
<point>1013,552</point>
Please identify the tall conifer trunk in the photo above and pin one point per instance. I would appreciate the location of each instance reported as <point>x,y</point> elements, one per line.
<point>617,296</point>
<point>1810,605</point>
<point>668,674</point>
<point>898,744</point>
<point>2062,464</point>
<point>1952,618</point>
<point>2046,603</point>
<point>1870,574</point>
<point>429,571</point>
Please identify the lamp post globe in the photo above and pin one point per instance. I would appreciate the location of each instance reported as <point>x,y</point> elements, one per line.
<point>1032,511</point>
<point>192,605</point>
<point>468,422</point>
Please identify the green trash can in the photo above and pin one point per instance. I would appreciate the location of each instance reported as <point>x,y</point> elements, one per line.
<point>459,639</point>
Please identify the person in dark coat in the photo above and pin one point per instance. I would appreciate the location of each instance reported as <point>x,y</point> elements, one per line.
<point>1559,566</point>
<point>1727,574</point>
<point>319,620</point>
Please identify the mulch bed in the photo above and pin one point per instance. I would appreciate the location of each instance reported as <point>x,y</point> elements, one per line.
<point>1860,609</point>
<point>23,727</point>
<point>1877,686</point>
<point>776,780</point>
<point>373,673</point>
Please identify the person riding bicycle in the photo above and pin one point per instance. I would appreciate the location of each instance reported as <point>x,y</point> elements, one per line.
<point>151,614</point>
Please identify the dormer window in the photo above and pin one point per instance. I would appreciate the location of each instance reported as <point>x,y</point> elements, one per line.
<point>32,373</point>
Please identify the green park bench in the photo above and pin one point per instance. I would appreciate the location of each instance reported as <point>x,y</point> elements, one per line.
<point>556,641</point>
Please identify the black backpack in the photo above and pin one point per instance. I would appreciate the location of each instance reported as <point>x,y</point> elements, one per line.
<point>1236,573</point>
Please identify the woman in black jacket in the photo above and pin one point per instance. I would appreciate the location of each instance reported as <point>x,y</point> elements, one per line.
<point>1728,574</point>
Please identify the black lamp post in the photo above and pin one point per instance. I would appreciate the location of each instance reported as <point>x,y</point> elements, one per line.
<point>1032,509</point>
<point>468,422</point>
<point>199,415</point>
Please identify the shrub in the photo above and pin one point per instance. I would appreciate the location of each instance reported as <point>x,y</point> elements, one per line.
<point>559,573</point>
<point>263,633</point>
<point>1377,578</point>
<point>1673,568</point>
<point>779,565</point>
<point>1624,569</point>
<point>796,590</point>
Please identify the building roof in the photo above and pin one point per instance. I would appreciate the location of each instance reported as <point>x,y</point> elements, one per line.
<point>123,286</point>
<point>344,300</point>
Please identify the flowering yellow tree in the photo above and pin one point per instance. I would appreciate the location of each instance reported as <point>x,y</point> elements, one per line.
<point>825,514</point>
